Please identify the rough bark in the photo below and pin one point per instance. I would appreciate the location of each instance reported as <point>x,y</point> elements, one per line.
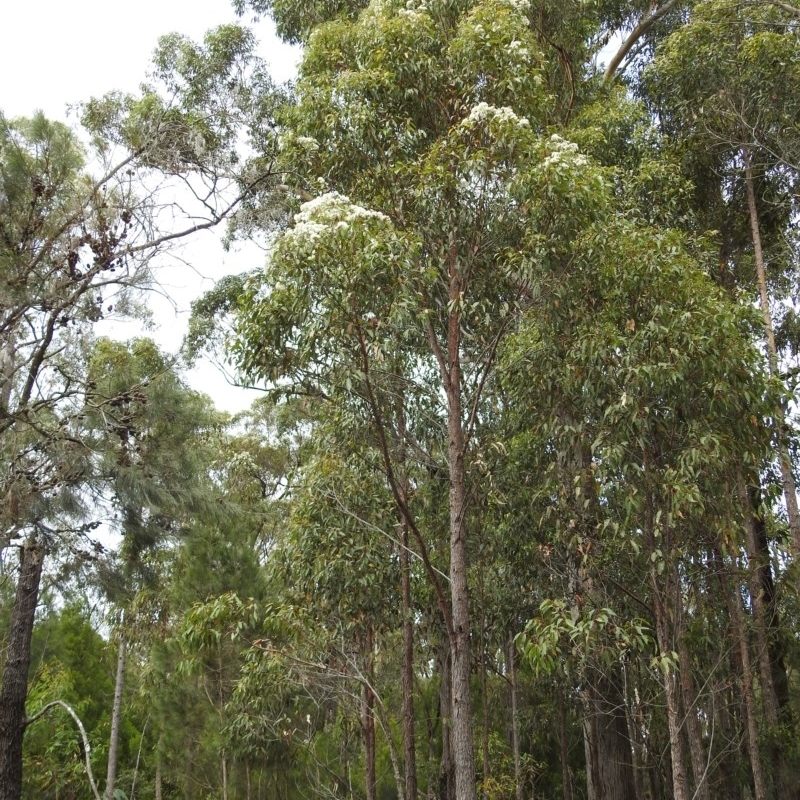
<point>460,646</point>
<point>563,746</point>
<point>514,689</point>
<point>447,788</point>
<point>14,690</point>
<point>116,721</point>
<point>610,767</point>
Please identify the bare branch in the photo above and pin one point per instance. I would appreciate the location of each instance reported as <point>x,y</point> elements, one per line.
<point>636,34</point>
<point>87,748</point>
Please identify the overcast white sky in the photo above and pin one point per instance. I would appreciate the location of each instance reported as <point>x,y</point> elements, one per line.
<point>55,53</point>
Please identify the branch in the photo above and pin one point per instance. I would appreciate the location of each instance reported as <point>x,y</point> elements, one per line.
<point>634,36</point>
<point>87,749</point>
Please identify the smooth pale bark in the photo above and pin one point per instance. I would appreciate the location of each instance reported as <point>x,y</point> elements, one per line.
<point>116,722</point>
<point>787,475</point>
<point>14,690</point>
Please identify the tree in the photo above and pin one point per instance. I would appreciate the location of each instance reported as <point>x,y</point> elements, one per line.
<point>74,247</point>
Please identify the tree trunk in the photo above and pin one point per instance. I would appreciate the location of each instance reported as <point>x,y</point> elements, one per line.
<point>447,787</point>
<point>158,788</point>
<point>14,690</point>
<point>514,689</point>
<point>563,746</point>
<point>787,476</point>
<point>746,683</point>
<point>409,746</point>
<point>486,769</point>
<point>461,733</point>
<point>680,779</point>
<point>610,768</point>
<point>116,721</point>
<point>368,719</point>
<point>770,663</point>
<point>697,754</point>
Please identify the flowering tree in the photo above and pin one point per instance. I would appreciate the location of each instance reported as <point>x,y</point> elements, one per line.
<point>433,119</point>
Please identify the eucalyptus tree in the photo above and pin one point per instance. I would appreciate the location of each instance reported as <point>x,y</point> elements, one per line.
<point>432,118</point>
<point>731,116</point>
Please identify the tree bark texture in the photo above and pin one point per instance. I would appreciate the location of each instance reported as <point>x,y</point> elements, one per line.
<point>460,646</point>
<point>447,788</point>
<point>116,721</point>
<point>610,767</point>
<point>14,691</point>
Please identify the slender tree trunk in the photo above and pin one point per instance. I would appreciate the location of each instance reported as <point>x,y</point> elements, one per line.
<point>746,683</point>
<point>14,690</point>
<point>486,769</point>
<point>368,719</point>
<point>116,721</point>
<point>563,746</point>
<point>697,753</point>
<point>511,649</point>
<point>409,745</point>
<point>447,781</point>
<point>761,594</point>
<point>680,780</point>
<point>407,676</point>
<point>590,748</point>
<point>462,735</point>
<point>665,589</point>
<point>787,476</point>
<point>158,781</point>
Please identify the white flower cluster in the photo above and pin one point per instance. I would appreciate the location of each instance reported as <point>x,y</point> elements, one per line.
<point>306,142</point>
<point>326,212</point>
<point>523,6</point>
<point>563,151</point>
<point>483,112</point>
<point>413,9</point>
